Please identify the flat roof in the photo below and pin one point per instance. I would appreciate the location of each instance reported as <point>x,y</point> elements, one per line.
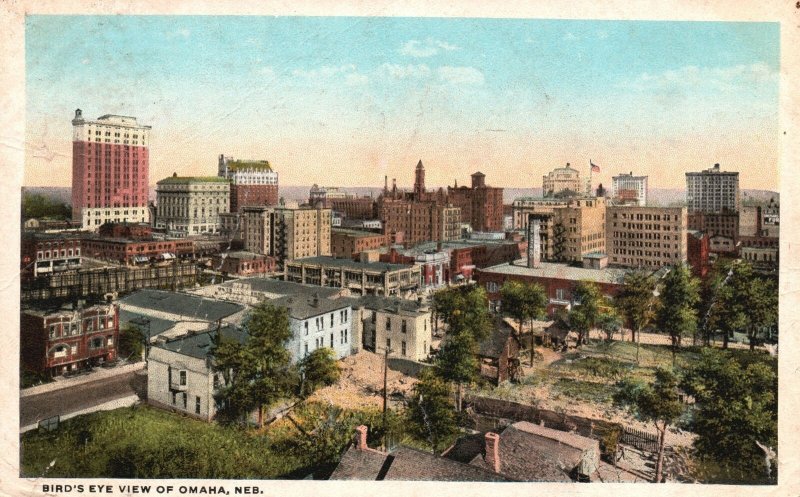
<point>192,179</point>
<point>182,304</point>
<point>352,232</point>
<point>156,325</point>
<point>560,271</point>
<point>349,264</point>
<point>280,287</point>
<point>381,303</point>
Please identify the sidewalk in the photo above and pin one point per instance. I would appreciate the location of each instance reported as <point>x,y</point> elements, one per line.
<point>97,374</point>
<point>106,406</point>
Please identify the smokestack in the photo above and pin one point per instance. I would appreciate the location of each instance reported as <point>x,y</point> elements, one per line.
<point>493,451</point>
<point>386,183</point>
<point>361,437</point>
<point>534,241</point>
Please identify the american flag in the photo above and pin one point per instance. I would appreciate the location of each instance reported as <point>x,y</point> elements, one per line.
<point>595,167</point>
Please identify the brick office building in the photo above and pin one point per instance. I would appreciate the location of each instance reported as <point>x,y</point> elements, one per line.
<point>132,252</point>
<point>44,253</point>
<point>646,237</point>
<point>721,227</point>
<point>132,231</point>
<point>253,182</point>
<point>347,243</point>
<point>110,165</point>
<point>481,206</point>
<point>58,338</point>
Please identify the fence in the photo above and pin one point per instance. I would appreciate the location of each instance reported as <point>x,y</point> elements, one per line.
<point>587,427</point>
<point>642,440</point>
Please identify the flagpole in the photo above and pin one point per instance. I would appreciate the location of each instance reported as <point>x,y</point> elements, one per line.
<point>589,192</point>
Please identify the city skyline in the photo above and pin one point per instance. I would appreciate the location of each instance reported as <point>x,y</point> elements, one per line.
<point>347,101</point>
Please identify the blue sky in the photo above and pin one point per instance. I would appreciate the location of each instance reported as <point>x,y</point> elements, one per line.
<point>347,100</point>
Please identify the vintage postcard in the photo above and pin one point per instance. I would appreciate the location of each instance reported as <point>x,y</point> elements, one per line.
<point>355,248</point>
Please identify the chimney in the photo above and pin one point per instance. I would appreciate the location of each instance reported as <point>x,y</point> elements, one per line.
<point>534,241</point>
<point>361,437</point>
<point>492,457</point>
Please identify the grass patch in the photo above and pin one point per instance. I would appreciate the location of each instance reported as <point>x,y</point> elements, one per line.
<point>586,391</point>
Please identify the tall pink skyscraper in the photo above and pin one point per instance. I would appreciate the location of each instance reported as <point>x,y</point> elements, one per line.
<point>110,162</point>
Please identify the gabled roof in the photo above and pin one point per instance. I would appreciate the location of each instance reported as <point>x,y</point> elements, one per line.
<point>301,307</point>
<point>199,344</point>
<point>496,341</point>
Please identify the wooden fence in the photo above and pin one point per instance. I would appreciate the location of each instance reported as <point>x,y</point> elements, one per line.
<point>640,439</point>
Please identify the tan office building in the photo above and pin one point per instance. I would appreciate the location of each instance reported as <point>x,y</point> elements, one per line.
<point>646,237</point>
<point>286,233</point>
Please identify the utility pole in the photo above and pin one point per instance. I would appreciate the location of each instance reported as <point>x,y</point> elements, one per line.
<point>385,390</point>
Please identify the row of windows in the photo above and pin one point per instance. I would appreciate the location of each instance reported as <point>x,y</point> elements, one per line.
<point>87,325</point>
<point>64,253</point>
<point>64,350</point>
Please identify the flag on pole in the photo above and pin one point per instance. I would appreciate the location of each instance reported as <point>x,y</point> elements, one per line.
<point>595,167</point>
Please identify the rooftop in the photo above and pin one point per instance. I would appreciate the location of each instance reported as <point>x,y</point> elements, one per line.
<point>495,343</point>
<point>199,344</point>
<point>355,233</point>
<point>180,180</point>
<point>237,165</point>
<point>559,271</point>
<point>283,288</point>
<point>349,264</point>
<point>405,463</point>
<point>242,254</point>
<point>151,325</point>
<point>308,307</point>
<point>182,304</point>
<point>377,303</point>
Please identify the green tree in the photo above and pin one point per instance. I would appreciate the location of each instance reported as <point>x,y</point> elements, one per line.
<point>457,362</point>
<point>258,372</point>
<point>635,302</point>
<point>430,412</point>
<point>584,315</point>
<point>36,206</point>
<point>610,322</point>
<point>464,309</point>
<point>523,301</point>
<point>744,302</point>
<point>736,409</point>
<point>658,402</point>
<point>677,314</point>
<point>318,369</point>
<point>131,342</point>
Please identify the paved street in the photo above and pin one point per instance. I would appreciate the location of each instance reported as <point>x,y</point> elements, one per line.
<point>34,408</point>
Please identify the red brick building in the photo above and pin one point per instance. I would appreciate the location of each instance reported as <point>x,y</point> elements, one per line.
<point>697,250</point>
<point>59,339</point>
<point>110,165</point>
<point>481,206</point>
<point>132,252</point>
<point>243,263</point>
<point>139,231</point>
<point>253,182</point>
<point>717,225</point>
<point>347,244</point>
<point>558,280</point>
<point>353,207</point>
<point>43,253</point>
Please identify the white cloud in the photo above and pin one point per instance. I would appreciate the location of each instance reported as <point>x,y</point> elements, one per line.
<point>427,48</point>
<point>461,75</point>
<point>409,71</point>
<point>715,78</point>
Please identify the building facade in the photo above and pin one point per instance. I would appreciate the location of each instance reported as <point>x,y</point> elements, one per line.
<point>347,244</point>
<point>712,191</point>
<point>721,227</point>
<point>253,182</point>
<point>560,180</point>
<point>628,189</point>
<point>57,340</point>
<point>646,237</point>
<point>44,253</point>
<point>361,278</point>
<point>191,205</point>
<point>318,323</point>
<point>419,221</point>
<point>579,229</point>
<point>481,206</point>
<point>286,233</point>
<point>404,327</point>
<point>110,165</point>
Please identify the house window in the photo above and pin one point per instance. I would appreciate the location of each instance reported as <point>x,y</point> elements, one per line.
<point>331,340</point>
<point>110,339</point>
<point>174,398</point>
<point>52,331</point>
<point>388,324</point>
<point>60,351</point>
<point>197,405</point>
<point>184,399</point>
<point>388,344</point>
<point>305,325</point>
<point>403,347</point>
<point>374,316</point>
<point>96,343</point>
<point>404,327</point>
<point>561,294</point>
<point>331,319</point>
<point>305,348</point>
<point>216,379</point>
<point>182,378</point>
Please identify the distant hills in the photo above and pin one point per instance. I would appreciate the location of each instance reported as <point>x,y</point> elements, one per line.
<point>662,197</point>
